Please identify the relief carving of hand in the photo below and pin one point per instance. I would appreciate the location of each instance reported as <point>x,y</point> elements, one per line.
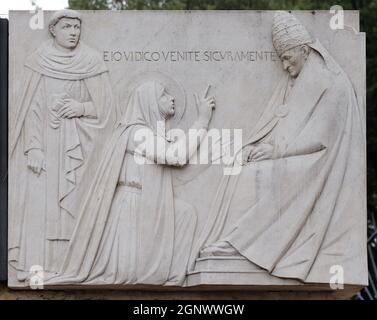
<point>71,109</point>
<point>54,118</point>
<point>261,151</point>
<point>246,153</point>
<point>36,161</point>
<point>205,108</point>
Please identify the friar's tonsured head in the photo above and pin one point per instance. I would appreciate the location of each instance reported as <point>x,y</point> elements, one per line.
<point>290,39</point>
<point>65,27</point>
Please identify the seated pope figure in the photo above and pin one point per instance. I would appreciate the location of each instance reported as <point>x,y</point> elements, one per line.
<point>289,210</point>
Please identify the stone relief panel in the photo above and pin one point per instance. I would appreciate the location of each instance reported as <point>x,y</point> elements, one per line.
<point>234,155</point>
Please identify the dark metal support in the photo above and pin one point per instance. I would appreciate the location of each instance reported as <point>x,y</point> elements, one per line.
<point>3,148</point>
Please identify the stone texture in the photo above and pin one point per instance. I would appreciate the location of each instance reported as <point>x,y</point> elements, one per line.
<point>85,211</point>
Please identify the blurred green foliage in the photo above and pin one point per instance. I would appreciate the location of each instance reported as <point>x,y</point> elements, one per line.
<point>368,17</point>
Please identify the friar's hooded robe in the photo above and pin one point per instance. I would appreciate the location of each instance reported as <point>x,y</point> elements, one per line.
<point>42,207</point>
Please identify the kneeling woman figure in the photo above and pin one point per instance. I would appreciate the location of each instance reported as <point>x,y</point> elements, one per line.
<point>130,229</point>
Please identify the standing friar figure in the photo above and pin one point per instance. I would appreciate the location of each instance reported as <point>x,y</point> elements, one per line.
<point>307,153</point>
<point>64,116</point>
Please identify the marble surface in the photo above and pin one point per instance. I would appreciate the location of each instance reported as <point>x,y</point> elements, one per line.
<point>276,196</point>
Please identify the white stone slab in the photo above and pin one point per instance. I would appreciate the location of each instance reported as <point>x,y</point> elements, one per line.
<point>84,212</point>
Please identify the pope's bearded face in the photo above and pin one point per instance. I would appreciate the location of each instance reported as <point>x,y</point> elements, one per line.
<point>67,32</point>
<point>294,59</point>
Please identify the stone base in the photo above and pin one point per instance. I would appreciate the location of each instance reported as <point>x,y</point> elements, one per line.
<point>213,278</point>
<point>233,271</point>
<point>239,273</point>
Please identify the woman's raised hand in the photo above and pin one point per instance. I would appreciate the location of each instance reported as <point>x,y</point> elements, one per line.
<point>205,106</point>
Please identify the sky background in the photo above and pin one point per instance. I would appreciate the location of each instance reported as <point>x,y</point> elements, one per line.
<point>6,5</point>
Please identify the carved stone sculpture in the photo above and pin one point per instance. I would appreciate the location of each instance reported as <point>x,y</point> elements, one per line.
<point>131,229</point>
<point>306,150</point>
<point>64,115</point>
<point>109,179</point>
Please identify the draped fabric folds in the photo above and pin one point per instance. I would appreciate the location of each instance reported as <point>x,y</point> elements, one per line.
<point>300,225</point>
<point>97,242</point>
<point>43,206</point>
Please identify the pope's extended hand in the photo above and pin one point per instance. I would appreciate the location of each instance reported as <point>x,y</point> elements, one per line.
<point>261,151</point>
<point>246,153</point>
